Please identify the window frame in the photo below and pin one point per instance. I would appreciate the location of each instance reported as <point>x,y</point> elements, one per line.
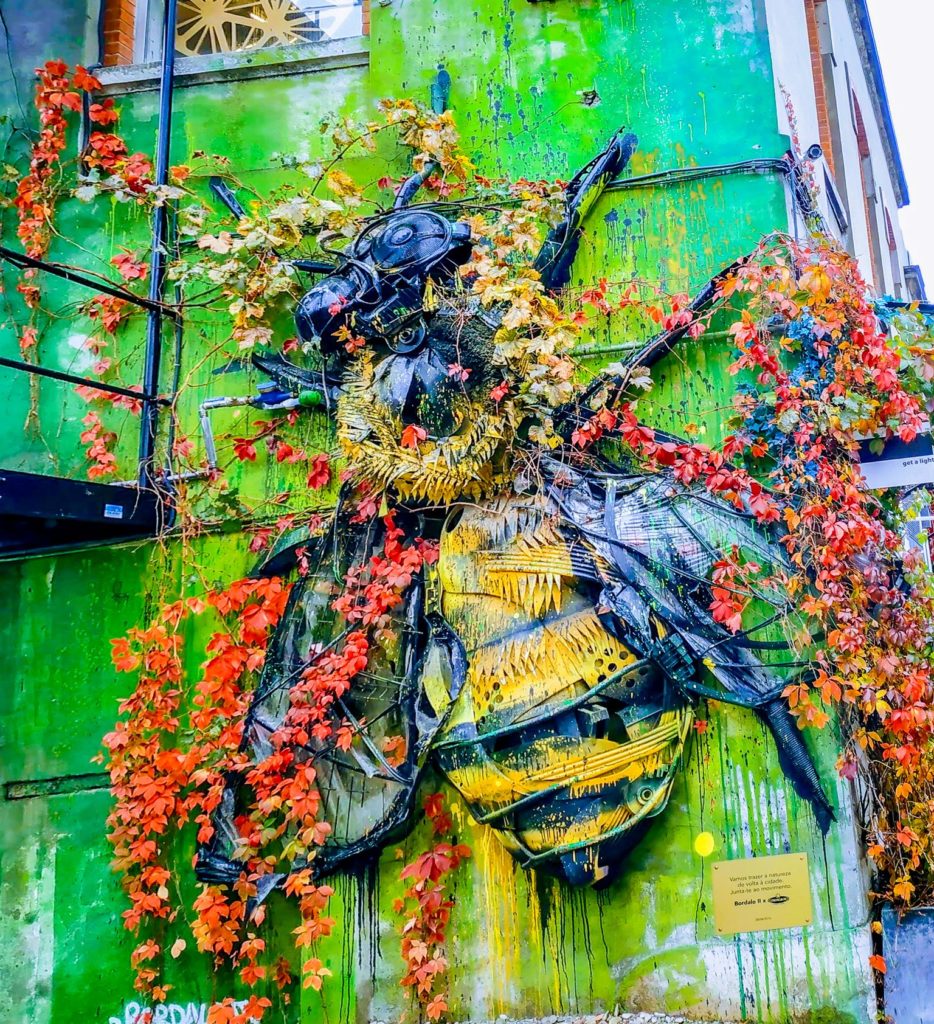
<point>145,44</point>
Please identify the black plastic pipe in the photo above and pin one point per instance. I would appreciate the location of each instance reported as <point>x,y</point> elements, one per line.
<point>157,264</point>
<point>21,260</point>
<point>73,378</point>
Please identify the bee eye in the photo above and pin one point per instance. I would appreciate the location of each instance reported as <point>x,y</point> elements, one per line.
<point>410,339</point>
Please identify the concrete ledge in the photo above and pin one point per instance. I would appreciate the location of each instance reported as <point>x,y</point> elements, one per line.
<point>599,1018</point>
<point>274,62</point>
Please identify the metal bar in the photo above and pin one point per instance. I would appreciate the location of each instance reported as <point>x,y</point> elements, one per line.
<point>20,259</point>
<point>59,786</point>
<point>770,165</point>
<point>157,266</point>
<point>73,378</point>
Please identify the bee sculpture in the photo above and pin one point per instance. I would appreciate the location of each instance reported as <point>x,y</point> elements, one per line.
<point>549,664</point>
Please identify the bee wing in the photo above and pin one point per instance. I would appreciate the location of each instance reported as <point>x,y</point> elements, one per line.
<point>655,545</point>
<point>367,770</point>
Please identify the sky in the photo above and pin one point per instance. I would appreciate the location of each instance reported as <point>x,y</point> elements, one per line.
<point>904,32</point>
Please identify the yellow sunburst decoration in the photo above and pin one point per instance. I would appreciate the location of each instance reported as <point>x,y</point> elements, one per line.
<point>228,26</point>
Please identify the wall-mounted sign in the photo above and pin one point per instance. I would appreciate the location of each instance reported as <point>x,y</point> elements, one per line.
<point>898,464</point>
<point>761,893</point>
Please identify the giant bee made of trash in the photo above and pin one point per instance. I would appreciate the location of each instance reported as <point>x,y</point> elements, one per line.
<point>550,663</point>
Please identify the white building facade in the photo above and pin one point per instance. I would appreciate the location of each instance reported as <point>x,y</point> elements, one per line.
<point>829,86</point>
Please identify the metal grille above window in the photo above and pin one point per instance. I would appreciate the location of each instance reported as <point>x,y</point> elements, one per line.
<point>229,26</point>
<point>132,27</point>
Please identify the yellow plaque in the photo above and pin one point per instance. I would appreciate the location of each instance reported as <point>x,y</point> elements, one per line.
<point>761,893</point>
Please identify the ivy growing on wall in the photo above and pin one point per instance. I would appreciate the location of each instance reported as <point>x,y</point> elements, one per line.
<point>817,370</point>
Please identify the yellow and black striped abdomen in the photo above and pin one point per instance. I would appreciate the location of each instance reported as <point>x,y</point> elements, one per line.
<point>561,738</point>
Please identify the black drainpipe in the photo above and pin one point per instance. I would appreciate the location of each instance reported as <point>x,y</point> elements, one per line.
<point>157,265</point>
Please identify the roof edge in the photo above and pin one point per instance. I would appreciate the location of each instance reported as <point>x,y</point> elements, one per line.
<point>866,42</point>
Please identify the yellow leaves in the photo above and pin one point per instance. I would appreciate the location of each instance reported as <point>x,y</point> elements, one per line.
<point>903,790</point>
<point>315,972</point>
<point>429,298</point>
<point>817,283</point>
<point>341,184</point>
<point>903,890</point>
<point>221,243</point>
<point>492,283</point>
<point>881,707</point>
<point>791,517</point>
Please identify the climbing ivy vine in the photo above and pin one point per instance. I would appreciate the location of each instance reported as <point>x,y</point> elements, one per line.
<point>818,367</point>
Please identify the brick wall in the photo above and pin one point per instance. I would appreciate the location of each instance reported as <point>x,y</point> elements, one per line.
<point>119,18</point>
<point>820,86</point>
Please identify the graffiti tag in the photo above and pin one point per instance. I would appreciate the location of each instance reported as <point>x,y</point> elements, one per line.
<point>169,1013</point>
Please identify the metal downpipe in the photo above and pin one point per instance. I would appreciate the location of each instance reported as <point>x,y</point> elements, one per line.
<point>157,265</point>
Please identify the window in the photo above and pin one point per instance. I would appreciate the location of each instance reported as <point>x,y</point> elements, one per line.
<point>894,260</point>
<point>870,197</point>
<point>133,28</point>
<point>836,205</point>
<point>919,532</point>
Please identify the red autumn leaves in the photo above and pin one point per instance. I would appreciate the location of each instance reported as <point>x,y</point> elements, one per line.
<point>427,911</point>
<point>174,748</point>
<point>845,578</point>
<point>170,752</point>
<point>319,465</point>
<point>59,90</point>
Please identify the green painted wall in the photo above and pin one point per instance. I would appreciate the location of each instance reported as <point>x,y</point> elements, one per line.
<point>694,80</point>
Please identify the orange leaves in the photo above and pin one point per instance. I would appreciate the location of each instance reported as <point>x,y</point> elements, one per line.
<point>394,747</point>
<point>427,911</point>
<point>877,963</point>
<point>28,340</point>
<point>806,307</point>
<point>36,193</point>
<point>216,928</point>
<point>413,435</point>
<point>817,282</point>
<point>157,785</point>
<point>312,929</point>
<point>123,658</point>
<point>99,452</point>
<point>147,950</point>
<point>245,1012</point>
<point>745,331</point>
<point>435,1008</point>
<point>107,309</point>
<point>314,972</point>
<point>129,267</point>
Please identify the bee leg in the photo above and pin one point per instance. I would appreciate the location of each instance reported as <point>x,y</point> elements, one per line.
<point>796,761</point>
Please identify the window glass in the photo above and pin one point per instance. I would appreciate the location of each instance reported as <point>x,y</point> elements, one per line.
<point>919,532</point>
<point>231,26</point>
<point>226,26</point>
